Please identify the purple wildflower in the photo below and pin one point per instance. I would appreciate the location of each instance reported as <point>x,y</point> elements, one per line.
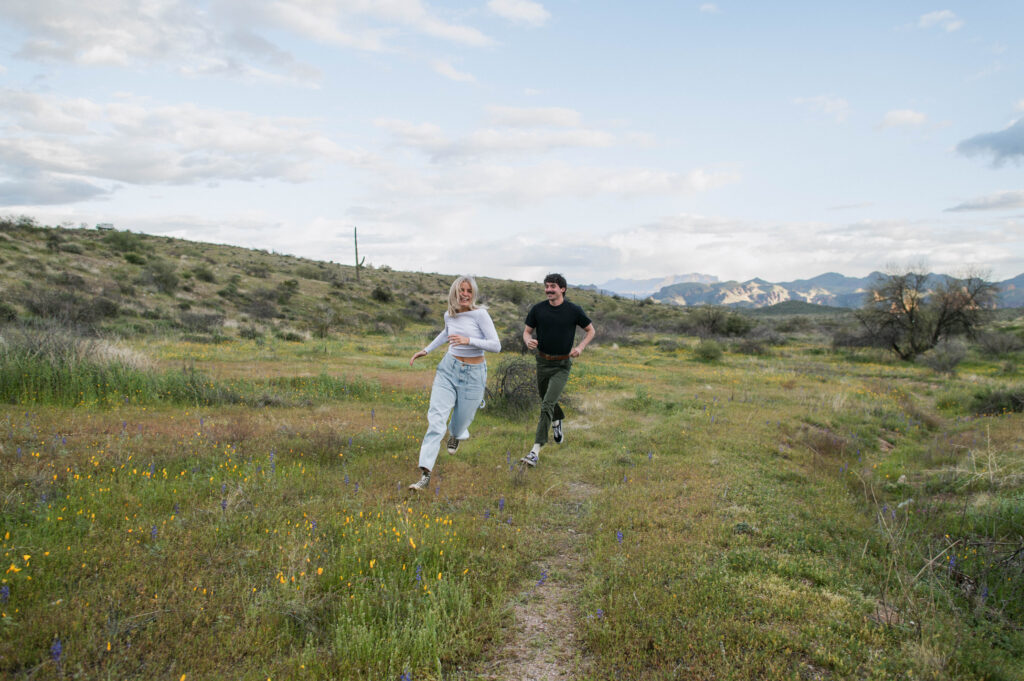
<point>152,532</point>
<point>543,578</point>
<point>600,613</point>
<point>487,514</point>
<point>501,504</point>
<point>223,504</point>
<point>5,593</point>
<point>56,648</point>
<point>618,535</point>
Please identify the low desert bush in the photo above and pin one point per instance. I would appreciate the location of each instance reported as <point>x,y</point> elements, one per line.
<point>945,356</point>
<point>513,389</point>
<point>998,401</point>
<point>708,350</point>
<point>998,344</point>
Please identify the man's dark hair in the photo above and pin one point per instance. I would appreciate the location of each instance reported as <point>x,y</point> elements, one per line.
<point>555,278</point>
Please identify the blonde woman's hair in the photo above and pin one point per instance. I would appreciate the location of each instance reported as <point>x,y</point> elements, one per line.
<point>453,294</point>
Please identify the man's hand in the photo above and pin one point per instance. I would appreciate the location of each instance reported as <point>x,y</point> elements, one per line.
<point>528,338</point>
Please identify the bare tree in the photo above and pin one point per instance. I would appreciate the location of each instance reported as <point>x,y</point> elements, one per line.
<point>910,312</point>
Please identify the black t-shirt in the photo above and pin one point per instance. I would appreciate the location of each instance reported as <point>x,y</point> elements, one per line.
<point>556,325</point>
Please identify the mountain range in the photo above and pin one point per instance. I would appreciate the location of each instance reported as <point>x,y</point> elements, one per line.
<point>831,288</point>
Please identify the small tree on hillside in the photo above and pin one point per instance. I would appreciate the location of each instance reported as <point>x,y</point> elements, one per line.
<point>901,313</point>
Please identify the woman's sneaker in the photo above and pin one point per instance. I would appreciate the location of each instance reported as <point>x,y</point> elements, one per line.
<point>556,432</point>
<point>453,444</point>
<point>422,484</point>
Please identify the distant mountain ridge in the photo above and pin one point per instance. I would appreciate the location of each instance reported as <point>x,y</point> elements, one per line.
<point>831,288</point>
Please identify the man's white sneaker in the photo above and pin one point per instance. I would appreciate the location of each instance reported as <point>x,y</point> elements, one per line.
<point>556,432</point>
<point>453,444</point>
<point>531,459</point>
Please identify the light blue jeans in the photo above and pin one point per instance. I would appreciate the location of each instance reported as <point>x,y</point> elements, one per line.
<point>458,390</point>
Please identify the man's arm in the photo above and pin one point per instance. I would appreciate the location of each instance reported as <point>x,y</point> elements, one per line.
<point>591,332</point>
<point>528,338</point>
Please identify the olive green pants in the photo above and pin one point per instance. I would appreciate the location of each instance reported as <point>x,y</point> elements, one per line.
<point>552,375</point>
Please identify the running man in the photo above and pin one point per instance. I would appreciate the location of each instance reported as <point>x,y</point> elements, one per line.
<point>554,321</point>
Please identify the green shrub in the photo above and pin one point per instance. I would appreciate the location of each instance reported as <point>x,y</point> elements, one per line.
<point>7,312</point>
<point>159,274</point>
<point>382,294</point>
<point>198,322</point>
<point>204,273</point>
<point>123,242</point>
<point>945,356</point>
<point>134,258</point>
<point>998,401</point>
<point>708,351</point>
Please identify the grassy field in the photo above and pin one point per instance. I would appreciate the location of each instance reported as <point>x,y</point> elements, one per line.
<point>238,510</point>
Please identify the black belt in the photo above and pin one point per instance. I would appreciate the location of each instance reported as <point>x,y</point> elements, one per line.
<point>553,358</point>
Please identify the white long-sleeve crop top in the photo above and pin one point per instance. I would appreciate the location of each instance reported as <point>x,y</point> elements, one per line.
<point>475,325</point>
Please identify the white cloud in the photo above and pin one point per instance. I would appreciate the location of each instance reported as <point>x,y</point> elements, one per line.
<point>518,186</point>
<point>138,142</point>
<point>534,117</point>
<point>837,107</point>
<point>902,118</point>
<point>1020,105</point>
<point>223,38</point>
<point>709,8</point>
<point>944,19</point>
<point>520,11</point>
<point>1009,200</point>
<point>430,139</point>
<point>446,69</point>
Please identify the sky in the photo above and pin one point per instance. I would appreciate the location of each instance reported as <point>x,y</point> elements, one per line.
<point>511,138</point>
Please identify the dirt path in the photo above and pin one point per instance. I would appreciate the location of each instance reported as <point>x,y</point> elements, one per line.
<point>543,646</point>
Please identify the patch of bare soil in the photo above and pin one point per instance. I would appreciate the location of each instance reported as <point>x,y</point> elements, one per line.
<point>543,645</point>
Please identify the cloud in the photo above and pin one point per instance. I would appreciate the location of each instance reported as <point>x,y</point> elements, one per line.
<point>74,143</point>
<point>1004,145</point>
<point>535,117</point>
<point>42,189</point>
<point>429,139</point>
<point>903,118</point>
<point>222,38</point>
<point>944,19</point>
<point>709,8</point>
<point>520,11</point>
<point>446,69</point>
<point>836,107</point>
<point>1009,200</point>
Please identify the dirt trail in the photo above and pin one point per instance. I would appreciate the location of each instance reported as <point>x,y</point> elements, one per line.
<point>543,646</point>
